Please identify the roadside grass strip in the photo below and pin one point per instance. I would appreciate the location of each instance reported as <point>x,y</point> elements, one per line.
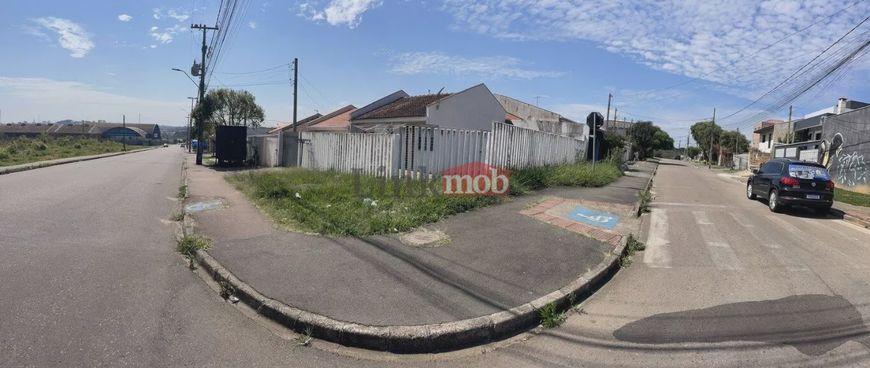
<point>340,204</point>
<point>25,150</point>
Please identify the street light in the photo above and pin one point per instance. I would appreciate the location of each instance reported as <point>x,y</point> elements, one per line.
<point>189,117</point>
<point>188,76</point>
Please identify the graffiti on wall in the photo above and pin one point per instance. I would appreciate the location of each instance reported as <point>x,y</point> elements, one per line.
<point>848,167</point>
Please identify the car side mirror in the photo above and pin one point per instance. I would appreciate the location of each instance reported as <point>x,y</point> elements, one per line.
<point>755,171</point>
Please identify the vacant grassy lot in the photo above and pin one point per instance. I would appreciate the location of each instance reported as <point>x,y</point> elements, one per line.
<point>23,150</point>
<point>328,203</point>
<point>845,196</point>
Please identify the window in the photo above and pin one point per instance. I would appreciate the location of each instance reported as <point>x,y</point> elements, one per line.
<point>763,138</point>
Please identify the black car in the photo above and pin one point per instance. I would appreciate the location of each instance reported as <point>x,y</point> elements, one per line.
<point>787,182</point>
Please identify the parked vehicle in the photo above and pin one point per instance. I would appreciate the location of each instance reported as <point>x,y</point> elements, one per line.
<point>786,182</point>
<point>231,144</point>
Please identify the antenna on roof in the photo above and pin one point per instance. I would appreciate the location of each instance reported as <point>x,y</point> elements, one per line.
<point>439,91</point>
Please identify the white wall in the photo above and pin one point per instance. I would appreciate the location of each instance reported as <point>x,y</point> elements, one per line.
<point>474,108</point>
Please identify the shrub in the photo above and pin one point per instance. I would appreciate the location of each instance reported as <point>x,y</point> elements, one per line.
<point>190,244</point>
<point>550,317</point>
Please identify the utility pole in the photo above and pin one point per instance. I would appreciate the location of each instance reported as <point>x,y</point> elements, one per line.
<point>124,124</point>
<point>712,129</point>
<point>595,131</point>
<point>790,129</point>
<point>200,124</point>
<point>295,84</point>
<point>190,123</point>
<point>687,145</point>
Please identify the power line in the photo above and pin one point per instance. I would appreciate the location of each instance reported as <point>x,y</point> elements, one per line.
<point>259,71</point>
<point>797,71</point>
<point>756,52</point>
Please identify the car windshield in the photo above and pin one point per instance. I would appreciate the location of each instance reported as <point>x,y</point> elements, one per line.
<point>808,172</point>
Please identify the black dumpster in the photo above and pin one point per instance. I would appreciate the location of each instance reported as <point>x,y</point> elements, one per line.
<point>230,145</point>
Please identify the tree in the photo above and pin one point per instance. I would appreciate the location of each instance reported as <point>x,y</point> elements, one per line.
<point>613,144</point>
<point>732,140</point>
<point>701,132</point>
<point>662,141</point>
<point>234,108</point>
<point>646,137</point>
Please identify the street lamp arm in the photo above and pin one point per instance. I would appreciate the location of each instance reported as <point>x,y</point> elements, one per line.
<point>188,76</point>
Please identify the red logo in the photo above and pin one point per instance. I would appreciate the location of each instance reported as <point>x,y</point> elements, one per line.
<point>476,178</point>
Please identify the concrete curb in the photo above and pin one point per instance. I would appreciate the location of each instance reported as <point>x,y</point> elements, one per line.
<point>61,161</point>
<point>852,218</point>
<point>637,209</point>
<point>429,338</point>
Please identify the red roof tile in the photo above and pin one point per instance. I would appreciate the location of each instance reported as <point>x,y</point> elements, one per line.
<point>414,106</point>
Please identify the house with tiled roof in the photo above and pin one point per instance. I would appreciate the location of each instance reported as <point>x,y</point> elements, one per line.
<point>299,123</point>
<point>336,121</point>
<point>475,108</point>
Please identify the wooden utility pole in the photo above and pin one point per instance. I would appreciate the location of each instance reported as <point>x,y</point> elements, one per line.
<point>200,124</point>
<point>712,129</point>
<point>790,129</point>
<point>295,84</point>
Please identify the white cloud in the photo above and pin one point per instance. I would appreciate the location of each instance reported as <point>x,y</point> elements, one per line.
<point>181,17</point>
<point>125,18</point>
<point>716,42</point>
<point>166,35</point>
<point>410,63</point>
<point>252,25</point>
<point>339,12</point>
<point>157,13</point>
<point>71,36</point>
<point>56,100</point>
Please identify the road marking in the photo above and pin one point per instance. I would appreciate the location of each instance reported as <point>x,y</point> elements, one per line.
<point>657,253</point>
<point>721,253</point>
<point>741,221</point>
<point>723,256</point>
<point>811,239</point>
<point>701,218</point>
<point>783,257</point>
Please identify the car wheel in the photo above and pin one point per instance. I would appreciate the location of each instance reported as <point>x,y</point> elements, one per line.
<point>772,201</point>
<point>749,193</point>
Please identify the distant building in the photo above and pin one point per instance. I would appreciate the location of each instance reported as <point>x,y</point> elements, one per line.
<point>526,115</point>
<point>768,132</point>
<point>618,127</point>
<point>132,133</point>
<point>289,126</point>
<point>336,121</point>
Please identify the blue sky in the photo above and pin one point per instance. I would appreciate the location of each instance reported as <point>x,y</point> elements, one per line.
<point>670,62</point>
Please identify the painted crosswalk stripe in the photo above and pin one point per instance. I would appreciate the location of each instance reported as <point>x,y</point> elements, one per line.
<point>721,253</point>
<point>657,253</point>
<point>741,221</point>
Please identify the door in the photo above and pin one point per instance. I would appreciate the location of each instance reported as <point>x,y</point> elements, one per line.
<point>769,172</point>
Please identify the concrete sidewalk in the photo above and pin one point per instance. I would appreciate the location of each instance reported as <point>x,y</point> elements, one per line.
<point>496,258</point>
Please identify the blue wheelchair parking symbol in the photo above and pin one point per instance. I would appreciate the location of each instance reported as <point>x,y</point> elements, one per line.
<point>595,218</point>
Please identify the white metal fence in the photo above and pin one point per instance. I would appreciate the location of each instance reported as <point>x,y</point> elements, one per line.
<point>516,147</point>
<point>424,150</point>
<point>373,154</point>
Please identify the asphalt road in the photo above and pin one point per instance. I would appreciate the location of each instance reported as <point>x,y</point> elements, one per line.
<point>90,278</point>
